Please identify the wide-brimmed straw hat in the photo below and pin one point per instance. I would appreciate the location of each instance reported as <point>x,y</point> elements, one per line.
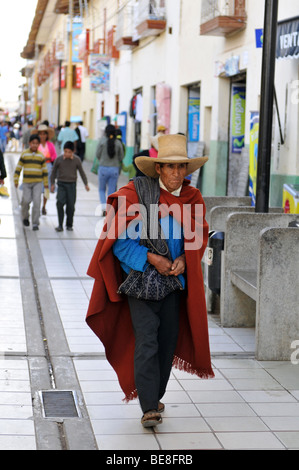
<point>172,149</point>
<point>44,128</point>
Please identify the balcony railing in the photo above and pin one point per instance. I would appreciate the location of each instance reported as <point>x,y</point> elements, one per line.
<point>222,17</point>
<point>150,17</point>
<point>125,28</point>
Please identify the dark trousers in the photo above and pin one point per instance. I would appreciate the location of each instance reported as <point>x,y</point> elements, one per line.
<point>66,195</point>
<point>156,326</point>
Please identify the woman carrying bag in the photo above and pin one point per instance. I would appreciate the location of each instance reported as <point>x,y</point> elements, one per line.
<point>110,155</point>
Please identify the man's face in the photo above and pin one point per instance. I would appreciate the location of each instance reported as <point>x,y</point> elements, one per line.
<point>68,153</point>
<point>33,145</point>
<point>172,174</point>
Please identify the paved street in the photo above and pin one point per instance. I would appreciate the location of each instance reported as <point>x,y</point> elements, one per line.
<point>45,345</point>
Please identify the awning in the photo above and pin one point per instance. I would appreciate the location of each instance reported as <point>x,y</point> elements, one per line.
<point>288,39</point>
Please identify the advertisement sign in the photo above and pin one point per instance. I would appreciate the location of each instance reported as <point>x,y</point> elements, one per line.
<point>238,106</point>
<point>99,73</point>
<point>193,118</point>
<point>259,38</point>
<point>288,39</point>
<point>253,154</point>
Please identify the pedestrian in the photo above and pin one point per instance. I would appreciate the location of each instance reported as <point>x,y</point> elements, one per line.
<point>35,174</point>
<point>3,173</point>
<point>65,171</point>
<point>26,135</point>
<point>151,152</point>
<point>81,143</point>
<point>47,148</point>
<point>110,154</point>
<point>148,301</point>
<point>15,137</point>
<point>3,135</point>
<point>67,134</point>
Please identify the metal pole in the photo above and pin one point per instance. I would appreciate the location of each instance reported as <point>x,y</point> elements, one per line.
<point>266,110</point>
<point>70,64</point>
<point>59,93</point>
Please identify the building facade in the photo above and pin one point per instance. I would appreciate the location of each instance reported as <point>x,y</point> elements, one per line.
<point>192,65</point>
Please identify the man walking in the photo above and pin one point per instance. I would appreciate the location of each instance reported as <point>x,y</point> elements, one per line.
<point>67,134</point>
<point>65,170</point>
<point>148,302</point>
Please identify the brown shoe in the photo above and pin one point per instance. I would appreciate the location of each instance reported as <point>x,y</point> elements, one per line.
<point>161,407</point>
<point>151,418</point>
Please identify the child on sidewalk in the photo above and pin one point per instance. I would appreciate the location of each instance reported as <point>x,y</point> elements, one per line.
<point>65,170</point>
<point>35,173</point>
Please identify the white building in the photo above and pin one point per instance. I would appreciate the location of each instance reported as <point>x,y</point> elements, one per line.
<point>191,65</point>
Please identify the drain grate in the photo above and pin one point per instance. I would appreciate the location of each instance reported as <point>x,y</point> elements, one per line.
<point>59,404</point>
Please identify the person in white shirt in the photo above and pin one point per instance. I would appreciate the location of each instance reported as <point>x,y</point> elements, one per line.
<point>81,144</point>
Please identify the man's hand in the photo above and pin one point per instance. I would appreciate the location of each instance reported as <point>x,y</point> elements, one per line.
<point>87,188</point>
<point>162,264</point>
<point>178,266</point>
<point>52,188</point>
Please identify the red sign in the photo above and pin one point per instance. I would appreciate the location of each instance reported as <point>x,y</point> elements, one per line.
<point>78,77</point>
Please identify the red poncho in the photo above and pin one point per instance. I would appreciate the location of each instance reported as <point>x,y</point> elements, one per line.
<point>108,313</point>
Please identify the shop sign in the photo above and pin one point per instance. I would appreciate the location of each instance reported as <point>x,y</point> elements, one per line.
<point>287,45</point>
<point>238,106</point>
<point>253,154</point>
<point>193,119</point>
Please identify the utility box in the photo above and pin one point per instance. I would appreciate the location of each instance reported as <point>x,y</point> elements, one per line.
<point>215,246</point>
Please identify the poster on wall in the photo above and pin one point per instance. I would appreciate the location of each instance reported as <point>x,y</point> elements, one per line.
<point>238,106</point>
<point>253,154</point>
<point>193,118</point>
<point>99,73</point>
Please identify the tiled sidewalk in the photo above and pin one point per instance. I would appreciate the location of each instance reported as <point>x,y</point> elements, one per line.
<point>249,404</point>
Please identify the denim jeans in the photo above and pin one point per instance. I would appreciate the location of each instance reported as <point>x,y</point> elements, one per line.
<point>108,176</point>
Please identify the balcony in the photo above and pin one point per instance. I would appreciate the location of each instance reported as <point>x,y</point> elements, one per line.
<point>150,18</point>
<point>222,17</point>
<point>125,29</point>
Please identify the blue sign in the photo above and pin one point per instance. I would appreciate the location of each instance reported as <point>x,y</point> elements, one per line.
<point>259,38</point>
<point>193,119</point>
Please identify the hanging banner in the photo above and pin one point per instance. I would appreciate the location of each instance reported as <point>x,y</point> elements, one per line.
<point>77,31</point>
<point>99,73</point>
<point>253,153</point>
<point>238,106</point>
<point>287,45</point>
